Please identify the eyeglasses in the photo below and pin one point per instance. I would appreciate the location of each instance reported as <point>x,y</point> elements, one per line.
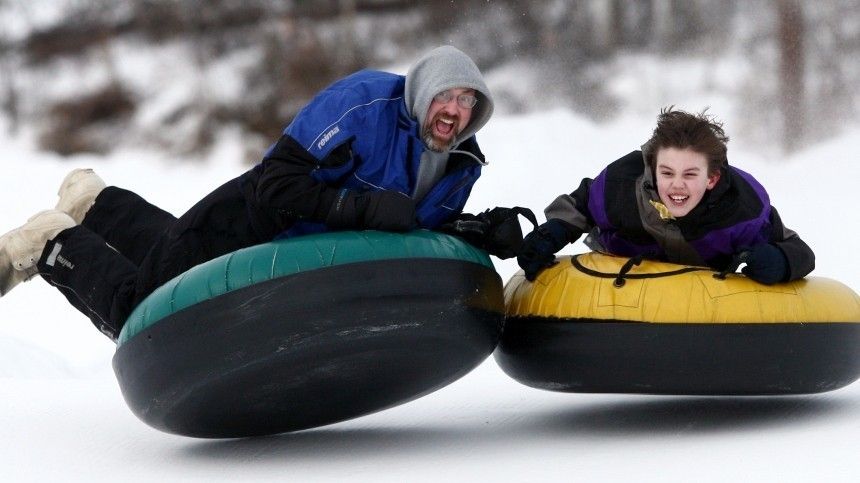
<point>466,101</point>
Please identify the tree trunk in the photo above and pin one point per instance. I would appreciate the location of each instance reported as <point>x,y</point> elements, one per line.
<point>10,105</point>
<point>791,72</point>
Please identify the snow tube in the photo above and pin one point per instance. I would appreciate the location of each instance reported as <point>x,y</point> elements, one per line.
<point>598,323</point>
<point>308,331</point>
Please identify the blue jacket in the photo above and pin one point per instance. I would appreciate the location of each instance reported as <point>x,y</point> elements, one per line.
<point>357,134</point>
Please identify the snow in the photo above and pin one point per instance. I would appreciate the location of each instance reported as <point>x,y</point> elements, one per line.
<point>63,417</point>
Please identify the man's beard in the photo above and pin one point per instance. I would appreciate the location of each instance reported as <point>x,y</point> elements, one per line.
<point>432,143</point>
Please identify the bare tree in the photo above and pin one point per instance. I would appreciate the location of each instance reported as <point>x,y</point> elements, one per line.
<point>791,72</point>
<point>9,105</point>
<point>345,55</point>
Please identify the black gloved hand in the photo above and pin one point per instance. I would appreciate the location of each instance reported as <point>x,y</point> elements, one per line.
<point>390,211</point>
<point>766,264</point>
<point>539,247</point>
<point>497,231</point>
<point>470,227</point>
<point>374,210</point>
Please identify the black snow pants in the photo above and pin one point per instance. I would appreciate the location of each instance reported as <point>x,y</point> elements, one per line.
<point>126,247</point>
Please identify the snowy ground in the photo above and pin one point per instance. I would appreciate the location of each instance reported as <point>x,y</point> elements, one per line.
<point>63,417</point>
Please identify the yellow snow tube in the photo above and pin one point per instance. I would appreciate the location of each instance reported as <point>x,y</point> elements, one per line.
<point>599,323</point>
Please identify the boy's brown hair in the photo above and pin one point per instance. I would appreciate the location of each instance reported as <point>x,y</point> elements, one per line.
<point>699,132</point>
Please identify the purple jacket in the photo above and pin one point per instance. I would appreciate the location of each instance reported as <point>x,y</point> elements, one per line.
<point>615,209</point>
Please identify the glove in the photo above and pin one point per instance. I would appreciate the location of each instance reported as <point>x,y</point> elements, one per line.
<point>373,210</point>
<point>496,231</point>
<point>539,247</point>
<point>766,264</point>
<point>470,227</point>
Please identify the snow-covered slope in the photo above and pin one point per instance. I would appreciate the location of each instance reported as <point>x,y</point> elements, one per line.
<point>63,417</point>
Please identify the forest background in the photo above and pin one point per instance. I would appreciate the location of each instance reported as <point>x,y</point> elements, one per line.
<point>71,77</point>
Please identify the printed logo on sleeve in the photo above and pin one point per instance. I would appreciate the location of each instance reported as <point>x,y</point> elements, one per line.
<point>327,137</point>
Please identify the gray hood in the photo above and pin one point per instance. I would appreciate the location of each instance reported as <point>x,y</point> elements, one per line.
<point>441,69</point>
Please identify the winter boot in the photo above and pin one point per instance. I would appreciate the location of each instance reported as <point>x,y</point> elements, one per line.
<point>23,246</point>
<point>78,193</point>
<point>9,277</point>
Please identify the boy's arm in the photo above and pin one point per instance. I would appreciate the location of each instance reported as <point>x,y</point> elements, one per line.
<point>573,208</point>
<point>567,219</point>
<point>801,259</point>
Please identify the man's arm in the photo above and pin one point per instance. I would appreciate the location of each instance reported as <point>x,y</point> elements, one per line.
<point>286,184</point>
<point>287,187</point>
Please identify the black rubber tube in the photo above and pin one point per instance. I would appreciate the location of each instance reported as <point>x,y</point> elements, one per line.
<point>313,348</point>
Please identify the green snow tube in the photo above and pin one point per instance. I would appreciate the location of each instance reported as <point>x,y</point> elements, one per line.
<point>308,331</point>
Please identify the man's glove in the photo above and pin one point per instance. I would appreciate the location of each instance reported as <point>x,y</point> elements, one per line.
<point>766,264</point>
<point>539,247</point>
<point>373,210</point>
<point>496,231</point>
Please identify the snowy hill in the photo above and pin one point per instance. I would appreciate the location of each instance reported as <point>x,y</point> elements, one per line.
<point>63,417</point>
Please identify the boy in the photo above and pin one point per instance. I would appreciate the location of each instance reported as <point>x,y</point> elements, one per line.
<point>679,201</point>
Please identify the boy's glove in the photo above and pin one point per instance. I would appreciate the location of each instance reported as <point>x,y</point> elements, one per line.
<point>374,210</point>
<point>539,247</point>
<point>766,264</point>
<point>497,231</point>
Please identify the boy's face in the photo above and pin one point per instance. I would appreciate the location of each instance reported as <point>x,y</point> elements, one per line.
<point>682,179</point>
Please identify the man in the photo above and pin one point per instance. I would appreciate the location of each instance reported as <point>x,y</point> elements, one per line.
<point>374,150</point>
